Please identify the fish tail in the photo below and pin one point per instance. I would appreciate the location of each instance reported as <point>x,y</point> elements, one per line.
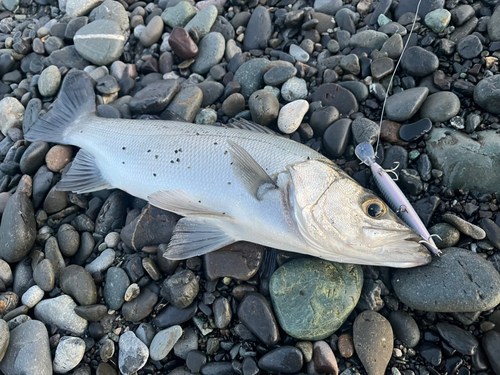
<point>75,100</point>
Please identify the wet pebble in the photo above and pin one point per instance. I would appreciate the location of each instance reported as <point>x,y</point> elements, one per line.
<point>286,359</point>
<point>461,340</point>
<point>405,328</point>
<point>222,312</point>
<point>256,314</point>
<point>448,235</point>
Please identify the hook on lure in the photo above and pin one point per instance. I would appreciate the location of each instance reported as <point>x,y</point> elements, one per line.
<point>394,196</point>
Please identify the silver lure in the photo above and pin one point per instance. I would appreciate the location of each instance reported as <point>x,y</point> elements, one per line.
<point>393,194</point>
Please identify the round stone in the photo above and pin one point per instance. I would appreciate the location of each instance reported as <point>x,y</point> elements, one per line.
<point>279,74</point>
<point>250,76</point>
<point>263,106</point>
<point>438,20</point>
<point>486,92</point>
<point>163,342</point>
<point>101,42</point>
<point>419,62</point>
<point>178,15</point>
<point>403,105</point>
<point>331,94</point>
<point>133,353</point>
<point>294,89</point>
<point>32,296</point>
<point>58,157</point>
<point>438,287</point>
<point>291,115</point>
<point>285,360</point>
<point>448,235</point>
<point>69,354</point>
<point>203,21</point>
<point>299,54</point>
<point>234,104</point>
<point>210,52</point>
<point>405,328</point>
<point>152,32</point>
<point>327,294</point>
<point>68,239</point>
<point>11,114</point>
<point>441,106</point>
<point>368,39</point>
<point>470,47</point>
<point>49,81</point>
<point>373,339</point>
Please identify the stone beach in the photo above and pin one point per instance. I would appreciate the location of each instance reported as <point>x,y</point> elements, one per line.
<point>84,285</point>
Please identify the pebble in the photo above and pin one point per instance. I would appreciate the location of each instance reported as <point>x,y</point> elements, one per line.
<point>419,62</point>
<point>250,75</point>
<point>116,285</point>
<point>101,42</point>
<point>405,328</point>
<point>368,39</point>
<point>294,89</point>
<point>68,239</point>
<point>345,345</point>
<point>256,314</point>
<point>4,338</point>
<point>212,91</point>
<point>466,163</point>
<point>459,339</point>
<point>364,130</point>
<point>382,67</point>
<point>286,359</point>
<point>152,32</point>
<point>186,103</point>
<point>291,115</point>
<point>403,105</point>
<point>449,235</point>
<point>211,50</point>
<point>440,107</point>
<point>465,227</point>
<point>412,132</point>
<point>32,296</point>
<point>11,114</point>
<point>494,26</point>
<point>181,289</point>
<point>373,340</point>
<point>439,287</point>
<point>438,20</point>
<point>196,359</point>
<point>486,92</point>
<point>93,313</point>
<point>222,312</point>
<point>140,307</point>
<point>102,262</point>
<point>317,309</point>
<point>49,81</point>
<point>264,107</point>
<point>58,157</point>
<point>187,343</point>
<point>299,54</point>
<point>239,261</point>
<point>77,8</point>
<point>6,273</point>
<point>28,351</point>
<point>470,47</point>
<point>18,228</point>
<point>331,94</point>
<point>203,21</point>
<point>79,284</point>
<point>491,345</point>
<point>133,353</point>
<point>178,15</point>
<point>323,359</point>
<point>44,275</point>
<point>132,292</point>
<point>492,231</point>
<point>69,354</point>
<point>258,30</point>
<point>59,311</point>
<point>163,342</point>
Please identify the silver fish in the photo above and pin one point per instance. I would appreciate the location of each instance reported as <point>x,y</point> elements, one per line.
<point>229,184</point>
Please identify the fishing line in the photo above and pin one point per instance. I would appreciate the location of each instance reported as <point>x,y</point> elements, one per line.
<point>394,74</point>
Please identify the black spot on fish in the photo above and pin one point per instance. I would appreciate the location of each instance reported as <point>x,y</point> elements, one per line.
<point>225,152</point>
<point>176,151</point>
<point>149,150</point>
<point>199,201</point>
<point>123,148</point>
<point>171,161</point>
<point>156,156</point>
<point>180,150</point>
<point>178,160</point>
<point>215,143</point>
<point>154,174</point>
<point>123,162</point>
<point>229,183</point>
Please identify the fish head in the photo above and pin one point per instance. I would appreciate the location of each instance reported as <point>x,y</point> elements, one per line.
<point>344,222</point>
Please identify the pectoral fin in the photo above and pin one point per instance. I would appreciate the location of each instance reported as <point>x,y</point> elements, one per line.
<point>194,236</point>
<point>181,203</point>
<point>251,175</point>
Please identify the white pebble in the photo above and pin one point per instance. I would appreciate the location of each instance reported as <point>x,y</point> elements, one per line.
<point>163,342</point>
<point>32,296</point>
<point>293,89</point>
<point>299,53</point>
<point>132,292</point>
<point>69,354</point>
<point>112,239</point>
<point>11,114</point>
<point>291,116</point>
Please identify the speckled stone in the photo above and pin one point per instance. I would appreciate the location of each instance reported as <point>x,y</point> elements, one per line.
<point>291,115</point>
<point>327,294</point>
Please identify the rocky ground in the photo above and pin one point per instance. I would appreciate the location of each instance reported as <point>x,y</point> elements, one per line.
<point>84,288</point>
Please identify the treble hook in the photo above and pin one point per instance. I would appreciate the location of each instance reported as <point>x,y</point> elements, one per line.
<point>434,249</point>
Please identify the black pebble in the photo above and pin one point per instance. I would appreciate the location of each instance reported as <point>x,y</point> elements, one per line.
<point>412,132</point>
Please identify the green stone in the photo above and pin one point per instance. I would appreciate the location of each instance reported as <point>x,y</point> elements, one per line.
<point>414,154</point>
<point>312,297</point>
<point>179,15</point>
<point>438,20</point>
<point>383,20</point>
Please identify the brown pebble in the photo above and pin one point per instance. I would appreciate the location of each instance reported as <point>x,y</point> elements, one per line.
<point>346,346</point>
<point>182,44</point>
<point>324,359</point>
<point>58,157</point>
<point>389,132</point>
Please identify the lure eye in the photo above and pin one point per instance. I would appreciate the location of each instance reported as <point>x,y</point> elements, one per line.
<point>374,208</point>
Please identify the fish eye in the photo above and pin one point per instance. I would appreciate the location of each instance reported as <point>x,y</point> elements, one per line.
<point>374,208</point>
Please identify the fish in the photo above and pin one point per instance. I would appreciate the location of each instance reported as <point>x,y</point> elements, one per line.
<point>393,194</point>
<point>229,183</point>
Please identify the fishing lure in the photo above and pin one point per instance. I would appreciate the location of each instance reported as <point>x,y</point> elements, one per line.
<point>394,196</point>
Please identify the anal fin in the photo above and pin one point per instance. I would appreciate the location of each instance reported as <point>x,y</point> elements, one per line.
<point>83,176</point>
<point>194,236</point>
<point>181,203</point>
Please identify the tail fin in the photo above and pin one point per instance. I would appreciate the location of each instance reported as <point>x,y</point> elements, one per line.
<point>76,99</point>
